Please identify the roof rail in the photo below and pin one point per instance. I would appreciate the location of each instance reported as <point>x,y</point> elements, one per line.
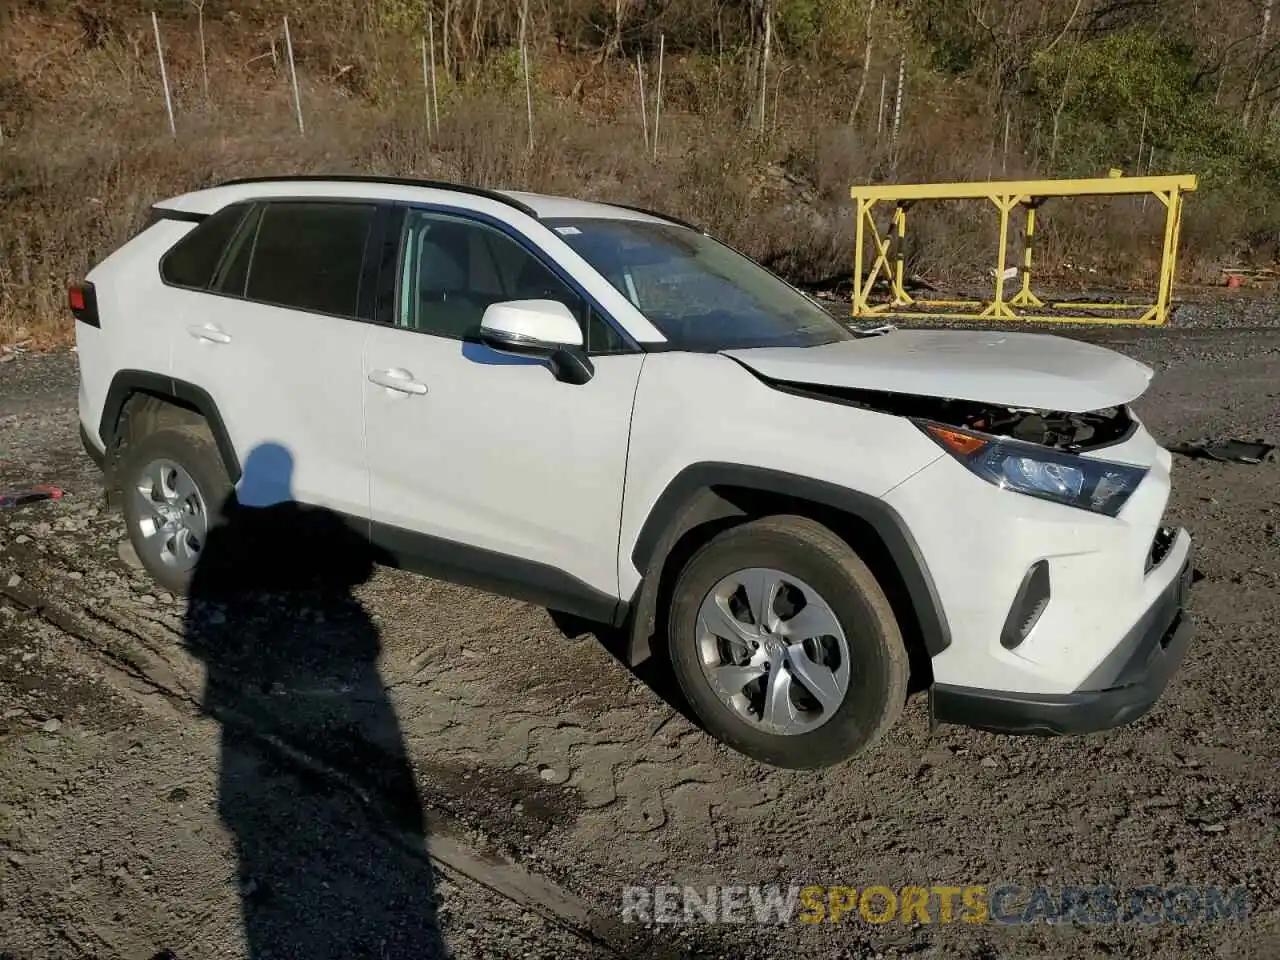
<point>495,195</point>
<point>660,216</point>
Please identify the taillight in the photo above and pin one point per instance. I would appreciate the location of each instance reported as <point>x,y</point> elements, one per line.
<point>83,301</point>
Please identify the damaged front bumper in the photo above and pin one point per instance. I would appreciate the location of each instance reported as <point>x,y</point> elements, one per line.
<point>1122,688</point>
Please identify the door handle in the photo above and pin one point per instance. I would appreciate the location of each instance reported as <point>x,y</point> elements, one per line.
<point>399,380</point>
<point>209,333</point>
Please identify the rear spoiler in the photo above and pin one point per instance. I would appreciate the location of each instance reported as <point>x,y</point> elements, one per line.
<point>156,214</point>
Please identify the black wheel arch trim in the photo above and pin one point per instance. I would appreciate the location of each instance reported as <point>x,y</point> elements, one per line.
<point>128,382</point>
<point>687,501</point>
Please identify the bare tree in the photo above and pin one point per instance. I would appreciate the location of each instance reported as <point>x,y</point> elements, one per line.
<point>204,59</point>
<point>866,63</point>
<point>762,13</point>
<point>444,39</point>
<point>1258,61</point>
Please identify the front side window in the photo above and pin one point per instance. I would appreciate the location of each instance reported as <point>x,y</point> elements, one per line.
<point>453,269</point>
<point>310,256</point>
<point>699,293</point>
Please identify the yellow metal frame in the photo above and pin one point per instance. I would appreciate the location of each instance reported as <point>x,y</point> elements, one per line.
<point>1007,196</point>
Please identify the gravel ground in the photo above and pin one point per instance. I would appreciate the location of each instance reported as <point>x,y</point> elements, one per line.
<point>142,817</point>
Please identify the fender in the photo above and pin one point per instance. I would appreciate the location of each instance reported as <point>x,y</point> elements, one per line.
<point>692,498</point>
<point>128,382</point>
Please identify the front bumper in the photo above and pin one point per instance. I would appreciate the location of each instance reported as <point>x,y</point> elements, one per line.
<point>1121,689</point>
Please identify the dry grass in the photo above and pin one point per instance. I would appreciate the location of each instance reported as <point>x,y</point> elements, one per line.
<point>87,149</point>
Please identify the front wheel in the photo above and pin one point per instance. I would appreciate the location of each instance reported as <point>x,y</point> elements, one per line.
<point>785,645</point>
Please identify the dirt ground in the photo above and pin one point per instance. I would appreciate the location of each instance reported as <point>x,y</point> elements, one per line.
<point>141,817</point>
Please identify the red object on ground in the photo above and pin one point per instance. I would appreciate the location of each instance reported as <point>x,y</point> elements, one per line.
<point>1235,281</point>
<point>21,498</point>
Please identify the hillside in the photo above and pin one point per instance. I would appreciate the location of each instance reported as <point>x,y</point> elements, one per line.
<point>989,88</point>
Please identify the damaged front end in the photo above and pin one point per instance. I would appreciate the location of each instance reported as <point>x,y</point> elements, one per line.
<point>1041,453</point>
<point>1069,432</point>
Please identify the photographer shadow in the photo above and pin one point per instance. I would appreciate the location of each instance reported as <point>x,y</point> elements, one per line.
<point>315,786</point>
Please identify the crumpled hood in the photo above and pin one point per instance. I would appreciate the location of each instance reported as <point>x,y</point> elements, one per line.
<point>1033,370</point>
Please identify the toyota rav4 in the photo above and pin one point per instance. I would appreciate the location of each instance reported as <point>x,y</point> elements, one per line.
<point>608,412</point>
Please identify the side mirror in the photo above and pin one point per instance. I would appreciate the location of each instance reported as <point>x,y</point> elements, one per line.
<point>539,328</point>
<point>530,326</point>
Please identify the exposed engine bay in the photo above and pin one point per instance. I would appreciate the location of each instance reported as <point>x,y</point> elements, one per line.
<point>1072,432</point>
<point>1062,431</point>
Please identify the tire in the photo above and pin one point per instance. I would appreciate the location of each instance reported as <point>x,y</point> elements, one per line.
<point>810,559</point>
<point>191,449</point>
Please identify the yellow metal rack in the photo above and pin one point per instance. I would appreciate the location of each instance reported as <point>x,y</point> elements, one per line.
<point>1007,196</point>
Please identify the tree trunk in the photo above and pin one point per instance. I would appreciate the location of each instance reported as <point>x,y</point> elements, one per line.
<point>444,39</point>
<point>1257,64</point>
<point>766,12</point>
<point>866,66</point>
<point>1057,119</point>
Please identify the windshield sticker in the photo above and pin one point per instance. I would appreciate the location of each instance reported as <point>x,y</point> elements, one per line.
<point>568,231</point>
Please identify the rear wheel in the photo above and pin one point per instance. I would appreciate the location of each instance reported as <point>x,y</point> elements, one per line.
<point>785,645</point>
<point>173,486</point>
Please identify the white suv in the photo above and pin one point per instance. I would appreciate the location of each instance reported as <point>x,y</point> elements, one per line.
<point>607,412</point>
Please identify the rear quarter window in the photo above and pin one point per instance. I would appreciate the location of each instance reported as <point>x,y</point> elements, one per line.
<point>192,260</point>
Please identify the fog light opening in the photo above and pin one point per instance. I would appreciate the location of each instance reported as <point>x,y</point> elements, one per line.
<point>1029,604</point>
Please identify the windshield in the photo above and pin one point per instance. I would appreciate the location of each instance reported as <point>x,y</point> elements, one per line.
<point>699,293</point>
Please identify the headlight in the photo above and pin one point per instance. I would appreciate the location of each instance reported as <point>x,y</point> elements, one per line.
<point>1096,485</point>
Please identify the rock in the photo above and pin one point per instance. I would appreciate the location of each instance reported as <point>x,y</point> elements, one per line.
<point>52,725</point>
<point>549,774</point>
<point>147,600</point>
<point>1213,827</point>
<point>14,581</point>
<point>990,762</point>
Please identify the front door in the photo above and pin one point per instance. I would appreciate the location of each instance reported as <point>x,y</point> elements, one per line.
<point>484,468</point>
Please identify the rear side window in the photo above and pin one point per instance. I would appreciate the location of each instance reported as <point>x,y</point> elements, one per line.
<point>310,256</point>
<point>192,260</point>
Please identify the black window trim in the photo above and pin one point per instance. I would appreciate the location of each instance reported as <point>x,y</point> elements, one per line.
<point>197,224</point>
<point>631,346</point>
<point>368,266</point>
<point>253,218</point>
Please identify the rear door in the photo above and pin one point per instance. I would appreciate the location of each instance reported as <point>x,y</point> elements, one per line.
<point>276,340</point>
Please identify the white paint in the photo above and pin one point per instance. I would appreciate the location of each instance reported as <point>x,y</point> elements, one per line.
<point>1011,369</point>
<point>534,321</point>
